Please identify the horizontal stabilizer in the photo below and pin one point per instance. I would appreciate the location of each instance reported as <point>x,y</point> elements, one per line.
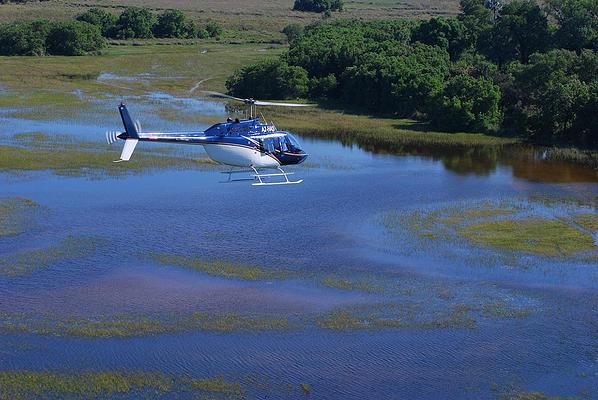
<point>128,150</point>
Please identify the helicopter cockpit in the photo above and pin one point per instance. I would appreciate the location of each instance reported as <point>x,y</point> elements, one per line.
<point>282,143</point>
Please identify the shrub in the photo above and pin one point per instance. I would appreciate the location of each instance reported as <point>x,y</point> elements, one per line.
<point>74,38</point>
<point>100,18</point>
<point>318,5</point>
<point>24,39</point>
<point>174,24</point>
<point>292,32</point>
<point>467,104</point>
<point>214,30</point>
<point>271,79</point>
<point>135,23</point>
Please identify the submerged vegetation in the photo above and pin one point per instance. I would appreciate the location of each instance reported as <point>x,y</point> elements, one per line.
<point>511,225</point>
<point>221,268</point>
<point>64,156</point>
<point>15,215</point>
<point>26,262</point>
<point>533,235</point>
<point>136,325</point>
<point>19,384</point>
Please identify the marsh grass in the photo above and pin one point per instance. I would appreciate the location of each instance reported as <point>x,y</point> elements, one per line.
<point>64,156</point>
<point>532,235</point>
<point>448,313</point>
<point>385,135</point>
<point>509,225</point>
<point>364,285</point>
<point>587,221</point>
<point>524,395</point>
<point>16,215</point>
<point>220,268</point>
<point>27,262</point>
<point>138,325</point>
<point>18,384</point>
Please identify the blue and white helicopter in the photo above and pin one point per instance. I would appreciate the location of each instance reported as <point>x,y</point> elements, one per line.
<point>245,143</point>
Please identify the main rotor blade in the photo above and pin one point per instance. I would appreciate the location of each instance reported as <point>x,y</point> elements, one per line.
<point>271,103</point>
<point>217,94</point>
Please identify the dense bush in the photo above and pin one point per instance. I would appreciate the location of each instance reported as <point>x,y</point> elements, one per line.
<point>74,38</point>
<point>214,30</point>
<point>100,18</point>
<point>292,32</point>
<point>24,39</point>
<point>510,69</point>
<point>135,23</point>
<point>467,103</point>
<point>42,37</point>
<point>174,24</point>
<point>269,79</point>
<point>318,5</point>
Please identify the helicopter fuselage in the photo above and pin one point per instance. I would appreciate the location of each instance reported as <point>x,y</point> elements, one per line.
<point>244,143</point>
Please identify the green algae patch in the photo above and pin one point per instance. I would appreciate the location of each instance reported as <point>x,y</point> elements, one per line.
<point>15,215</point>
<point>19,384</point>
<point>70,248</point>
<point>223,269</point>
<point>138,325</point>
<point>532,235</point>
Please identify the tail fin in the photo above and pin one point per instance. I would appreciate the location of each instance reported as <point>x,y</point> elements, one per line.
<point>130,128</point>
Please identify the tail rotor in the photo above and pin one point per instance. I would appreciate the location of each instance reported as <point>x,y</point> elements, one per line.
<point>112,136</point>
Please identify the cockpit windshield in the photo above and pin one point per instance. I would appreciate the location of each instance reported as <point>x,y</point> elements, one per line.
<point>284,143</point>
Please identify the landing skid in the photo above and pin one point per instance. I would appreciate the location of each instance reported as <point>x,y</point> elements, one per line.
<point>261,178</point>
<point>286,181</point>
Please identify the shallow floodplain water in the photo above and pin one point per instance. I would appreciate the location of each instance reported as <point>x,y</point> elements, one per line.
<point>373,310</point>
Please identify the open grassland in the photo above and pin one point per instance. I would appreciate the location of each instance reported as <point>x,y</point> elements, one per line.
<point>168,68</point>
<point>26,262</point>
<point>250,20</point>
<point>514,226</point>
<point>64,156</point>
<point>15,215</point>
<point>19,384</point>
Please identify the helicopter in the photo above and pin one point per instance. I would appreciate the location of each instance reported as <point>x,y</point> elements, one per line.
<point>246,143</point>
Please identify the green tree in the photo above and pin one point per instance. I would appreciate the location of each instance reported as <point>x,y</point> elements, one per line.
<point>467,104</point>
<point>318,5</point>
<point>577,23</point>
<point>449,33</point>
<point>135,23</point>
<point>214,30</point>
<point>74,38</point>
<point>520,30</point>
<point>270,79</point>
<point>401,82</point>
<point>292,32</point>
<point>24,38</point>
<point>174,24</point>
<point>100,18</point>
<point>552,97</point>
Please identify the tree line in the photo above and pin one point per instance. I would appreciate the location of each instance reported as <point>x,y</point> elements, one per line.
<point>87,33</point>
<point>517,69</point>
